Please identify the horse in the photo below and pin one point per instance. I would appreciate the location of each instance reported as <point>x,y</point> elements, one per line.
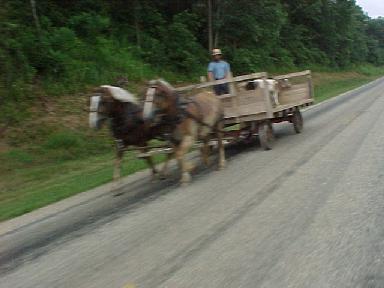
<point>194,119</point>
<point>127,124</point>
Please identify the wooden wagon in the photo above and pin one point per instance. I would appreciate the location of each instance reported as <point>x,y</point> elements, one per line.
<point>248,113</point>
<point>251,112</point>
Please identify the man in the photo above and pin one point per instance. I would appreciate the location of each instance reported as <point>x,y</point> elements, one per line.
<point>218,69</point>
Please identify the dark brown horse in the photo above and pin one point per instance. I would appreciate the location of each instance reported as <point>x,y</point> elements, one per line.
<point>127,124</point>
<point>191,120</point>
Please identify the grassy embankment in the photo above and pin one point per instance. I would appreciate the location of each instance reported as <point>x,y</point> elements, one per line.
<point>55,156</point>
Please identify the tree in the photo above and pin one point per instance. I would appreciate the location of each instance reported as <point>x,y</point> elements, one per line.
<point>35,17</point>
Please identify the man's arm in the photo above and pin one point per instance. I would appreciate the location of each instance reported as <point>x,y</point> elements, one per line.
<point>210,76</point>
<point>227,70</point>
<point>210,72</point>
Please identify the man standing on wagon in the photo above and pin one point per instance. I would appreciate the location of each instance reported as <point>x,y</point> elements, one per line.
<point>219,69</point>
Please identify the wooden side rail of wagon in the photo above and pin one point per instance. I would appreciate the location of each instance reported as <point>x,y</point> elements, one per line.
<point>252,112</point>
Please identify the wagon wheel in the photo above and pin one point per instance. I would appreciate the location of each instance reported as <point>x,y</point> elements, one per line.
<point>266,136</point>
<point>297,121</point>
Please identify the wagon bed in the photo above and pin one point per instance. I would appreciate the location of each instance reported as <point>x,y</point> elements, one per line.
<point>250,112</point>
<point>253,111</point>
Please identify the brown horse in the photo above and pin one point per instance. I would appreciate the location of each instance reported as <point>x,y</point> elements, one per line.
<point>127,123</point>
<point>191,120</point>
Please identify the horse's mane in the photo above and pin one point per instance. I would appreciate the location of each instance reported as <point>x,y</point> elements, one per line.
<point>163,83</point>
<point>120,94</point>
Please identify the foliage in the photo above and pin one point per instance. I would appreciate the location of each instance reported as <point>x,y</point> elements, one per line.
<point>74,44</point>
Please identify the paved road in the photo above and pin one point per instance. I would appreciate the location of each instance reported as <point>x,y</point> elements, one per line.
<point>309,213</point>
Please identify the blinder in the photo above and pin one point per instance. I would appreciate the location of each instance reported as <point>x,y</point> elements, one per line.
<point>94,116</point>
<point>148,104</point>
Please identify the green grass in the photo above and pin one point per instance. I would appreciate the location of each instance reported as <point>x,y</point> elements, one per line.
<point>330,84</point>
<point>324,92</point>
<point>34,187</point>
<point>62,162</point>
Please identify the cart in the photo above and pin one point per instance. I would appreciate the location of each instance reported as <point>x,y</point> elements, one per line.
<point>252,112</point>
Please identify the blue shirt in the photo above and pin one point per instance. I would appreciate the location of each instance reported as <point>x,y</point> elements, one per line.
<point>219,69</point>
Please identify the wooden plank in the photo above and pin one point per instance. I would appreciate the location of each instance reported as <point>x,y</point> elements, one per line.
<point>296,93</point>
<point>250,96</point>
<point>246,102</point>
<point>292,75</point>
<point>299,90</point>
<point>225,96</point>
<point>223,81</point>
<point>246,118</point>
<point>282,108</point>
<point>250,76</point>
<point>296,98</point>
<point>229,106</point>
<point>233,92</point>
<point>253,108</point>
<point>310,87</point>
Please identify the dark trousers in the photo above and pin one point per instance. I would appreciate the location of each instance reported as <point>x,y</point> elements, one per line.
<point>221,89</point>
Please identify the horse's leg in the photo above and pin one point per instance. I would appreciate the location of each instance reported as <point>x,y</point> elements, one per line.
<point>150,163</point>
<point>205,151</point>
<point>180,152</point>
<point>220,140</point>
<point>164,170</point>
<point>117,170</point>
<point>117,167</point>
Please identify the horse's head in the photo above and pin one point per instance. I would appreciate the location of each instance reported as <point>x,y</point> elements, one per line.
<point>110,102</point>
<point>160,99</point>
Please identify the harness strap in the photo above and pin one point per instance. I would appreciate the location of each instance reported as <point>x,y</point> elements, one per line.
<point>193,117</point>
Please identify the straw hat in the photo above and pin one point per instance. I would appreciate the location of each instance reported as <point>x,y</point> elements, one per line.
<point>216,52</point>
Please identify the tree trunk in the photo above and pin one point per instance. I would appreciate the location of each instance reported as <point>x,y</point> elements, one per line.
<point>217,20</point>
<point>210,26</point>
<point>216,42</point>
<point>35,17</point>
<point>137,24</point>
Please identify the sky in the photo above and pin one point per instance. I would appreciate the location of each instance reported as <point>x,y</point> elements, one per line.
<point>374,8</point>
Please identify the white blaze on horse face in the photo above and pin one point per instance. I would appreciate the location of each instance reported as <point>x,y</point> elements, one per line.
<point>94,116</point>
<point>148,105</point>
<point>120,94</point>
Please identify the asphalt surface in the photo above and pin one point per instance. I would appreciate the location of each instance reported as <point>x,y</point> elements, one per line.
<point>309,213</point>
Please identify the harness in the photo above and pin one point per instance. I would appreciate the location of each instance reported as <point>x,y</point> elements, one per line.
<point>182,108</point>
<point>180,113</point>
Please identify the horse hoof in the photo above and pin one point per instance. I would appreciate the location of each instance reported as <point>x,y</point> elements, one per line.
<point>222,165</point>
<point>117,193</point>
<point>163,176</point>
<point>184,184</point>
<point>185,179</point>
<point>206,163</point>
<point>115,189</point>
